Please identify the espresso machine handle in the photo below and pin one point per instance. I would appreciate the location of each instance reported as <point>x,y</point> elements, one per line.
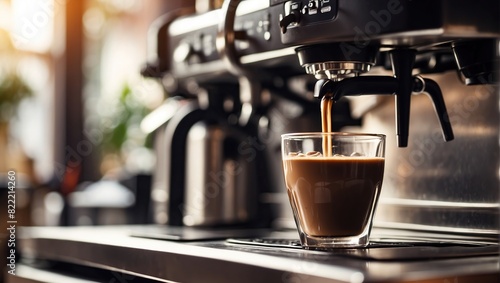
<point>226,37</point>
<point>434,92</point>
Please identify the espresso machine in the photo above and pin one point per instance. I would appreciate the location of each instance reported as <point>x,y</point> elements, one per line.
<point>382,62</point>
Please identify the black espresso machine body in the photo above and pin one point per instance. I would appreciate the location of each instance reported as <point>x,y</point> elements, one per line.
<point>372,58</point>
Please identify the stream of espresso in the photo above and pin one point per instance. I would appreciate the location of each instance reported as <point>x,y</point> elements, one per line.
<point>326,124</point>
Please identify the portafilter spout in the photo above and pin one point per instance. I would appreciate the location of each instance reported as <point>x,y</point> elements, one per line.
<point>403,84</point>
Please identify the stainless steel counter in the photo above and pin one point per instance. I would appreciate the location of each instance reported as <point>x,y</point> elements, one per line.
<point>187,258</point>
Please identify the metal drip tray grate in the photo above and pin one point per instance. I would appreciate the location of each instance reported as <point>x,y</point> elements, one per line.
<point>388,249</point>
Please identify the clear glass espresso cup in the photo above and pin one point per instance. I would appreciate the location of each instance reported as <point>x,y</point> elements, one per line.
<point>333,182</point>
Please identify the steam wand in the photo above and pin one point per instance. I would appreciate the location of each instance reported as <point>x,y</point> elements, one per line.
<point>402,85</point>
<point>250,88</point>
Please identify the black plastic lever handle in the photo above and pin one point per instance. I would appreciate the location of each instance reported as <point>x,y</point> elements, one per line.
<point>434,91</point>
<point>293,17</point>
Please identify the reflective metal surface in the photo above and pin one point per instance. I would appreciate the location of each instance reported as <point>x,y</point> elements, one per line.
<point>433,185</point>
<point>112,248</point>
<point>218,182</point>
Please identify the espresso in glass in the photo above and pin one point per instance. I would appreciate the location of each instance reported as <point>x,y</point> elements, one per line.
<point>333,182</point>
<point>333,195</point>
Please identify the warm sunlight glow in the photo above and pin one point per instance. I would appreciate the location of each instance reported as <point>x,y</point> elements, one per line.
<point>32,26</point>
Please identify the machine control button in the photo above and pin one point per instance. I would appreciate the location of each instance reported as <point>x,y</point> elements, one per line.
<point>326,9</point>
<point>208,45</point>
<point>312,4</point>
<point>264,26</point>
<point>197,42</point>
<point>182,52</point>
<point>267,35</point>
<point>313,7</point>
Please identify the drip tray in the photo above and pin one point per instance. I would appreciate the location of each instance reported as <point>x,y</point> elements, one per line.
<point>387,249</point>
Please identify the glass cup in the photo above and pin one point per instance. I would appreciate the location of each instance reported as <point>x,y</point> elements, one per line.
<point>333,182</point>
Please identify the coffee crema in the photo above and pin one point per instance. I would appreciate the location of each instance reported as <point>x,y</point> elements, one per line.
<point>333,196</point>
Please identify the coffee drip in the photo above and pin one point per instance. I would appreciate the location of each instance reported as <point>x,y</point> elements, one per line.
<point>326,123</point>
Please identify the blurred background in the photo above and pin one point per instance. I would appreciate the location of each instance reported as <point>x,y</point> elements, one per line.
<point>71,101</point>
